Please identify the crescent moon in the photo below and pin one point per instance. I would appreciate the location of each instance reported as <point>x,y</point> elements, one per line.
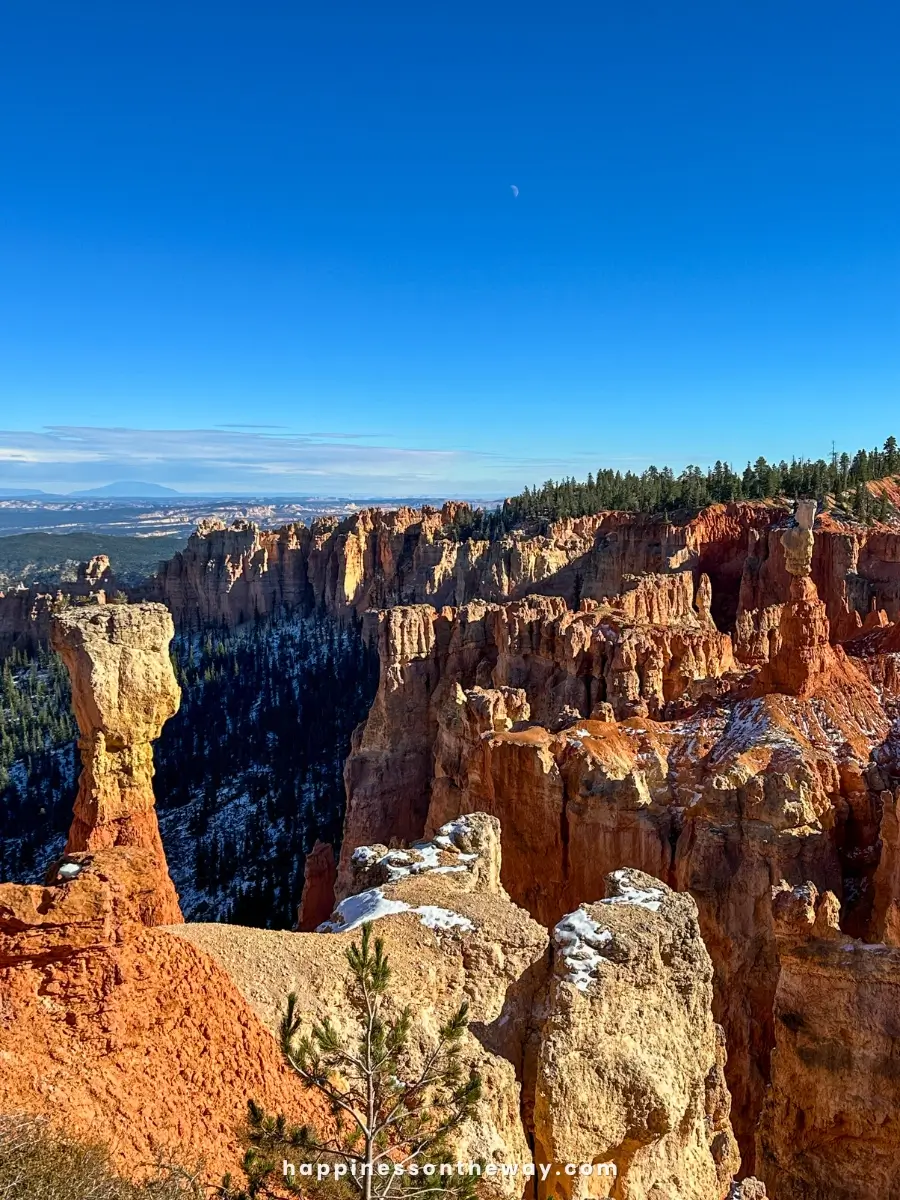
<point>514,189</point>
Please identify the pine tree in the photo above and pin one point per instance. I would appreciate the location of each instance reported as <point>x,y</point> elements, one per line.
<point>385,1115</point>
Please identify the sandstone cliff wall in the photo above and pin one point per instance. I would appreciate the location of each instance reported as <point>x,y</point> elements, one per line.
<point>378,559</point>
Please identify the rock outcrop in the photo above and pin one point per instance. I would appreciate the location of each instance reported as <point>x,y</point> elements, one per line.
<point>630,1065</point>
<point>25,616</point>
<point>123,691</point>
<point>801,658</point>
<point>831,1124</point>
<point>609,1055</point>
<point>108,1027</point>
<point>451,934</point>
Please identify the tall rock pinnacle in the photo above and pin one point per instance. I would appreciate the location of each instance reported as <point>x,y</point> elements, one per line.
<point>802,660</point>
<point>123,692</point>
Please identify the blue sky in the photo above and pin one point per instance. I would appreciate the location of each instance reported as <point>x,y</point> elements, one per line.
<point>275,246</point>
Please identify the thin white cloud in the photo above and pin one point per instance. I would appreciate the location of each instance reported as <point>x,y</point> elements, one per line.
<point>68,457</point>
<point>258,459</point>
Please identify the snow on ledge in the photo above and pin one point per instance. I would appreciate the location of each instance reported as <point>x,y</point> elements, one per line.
<point>578,939</point>
<point>650,898</point>
<point>442,918</point>
<point>356,910</point>
<point>372,905</point>
<point>421,857</point>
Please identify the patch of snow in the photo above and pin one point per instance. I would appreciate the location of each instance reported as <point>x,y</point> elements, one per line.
<point>69,870</point>
<point>650,898</point>
<point>578,939</point>
<point>372,905</point>
<point>422,857</point>
<point>356,910</point>
<point>751,727</point>
<point>444,836</point>
<point>441,918</point>
<point>363,856</point>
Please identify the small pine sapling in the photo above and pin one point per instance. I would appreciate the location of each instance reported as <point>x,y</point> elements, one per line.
<point>392,1127</point>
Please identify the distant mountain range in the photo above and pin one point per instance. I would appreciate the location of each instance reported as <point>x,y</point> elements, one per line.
<point>130,489</point>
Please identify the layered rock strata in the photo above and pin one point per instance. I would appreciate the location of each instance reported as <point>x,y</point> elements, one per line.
<point>378,559</point>
<point>123,691</point>
<point>566,665</point>
<point>599,741</point>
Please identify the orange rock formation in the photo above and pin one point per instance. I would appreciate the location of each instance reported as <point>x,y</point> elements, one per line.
<point>123,692</point>
<point>113,1029</point>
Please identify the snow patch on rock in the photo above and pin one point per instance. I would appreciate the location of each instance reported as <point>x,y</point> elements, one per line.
<point>372,905</point>
<point>577,939</point>
<point>355,910</point>
<point>650,898</point>
<point>442,918</point>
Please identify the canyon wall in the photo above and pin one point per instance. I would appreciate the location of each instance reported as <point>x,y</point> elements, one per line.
<point>377,559</point>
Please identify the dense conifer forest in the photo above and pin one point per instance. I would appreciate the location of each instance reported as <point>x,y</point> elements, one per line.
<point>249,771</point>
<point>659,490</point>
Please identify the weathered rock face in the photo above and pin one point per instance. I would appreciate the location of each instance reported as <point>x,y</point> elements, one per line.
<point>373,559</point>
<point>378,559</point>
<point>718,804</point>
<point>25,615</point>
<point>118,890</point>
<point>565,664</point>
<point>630,1062</point>
<point>123,691</point>
<point>111,1028</point>
<point>802,660</point>
<point>886,882</point>
<point>877,652</point>
<point>831,1123</point>
<point>855,569</point>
